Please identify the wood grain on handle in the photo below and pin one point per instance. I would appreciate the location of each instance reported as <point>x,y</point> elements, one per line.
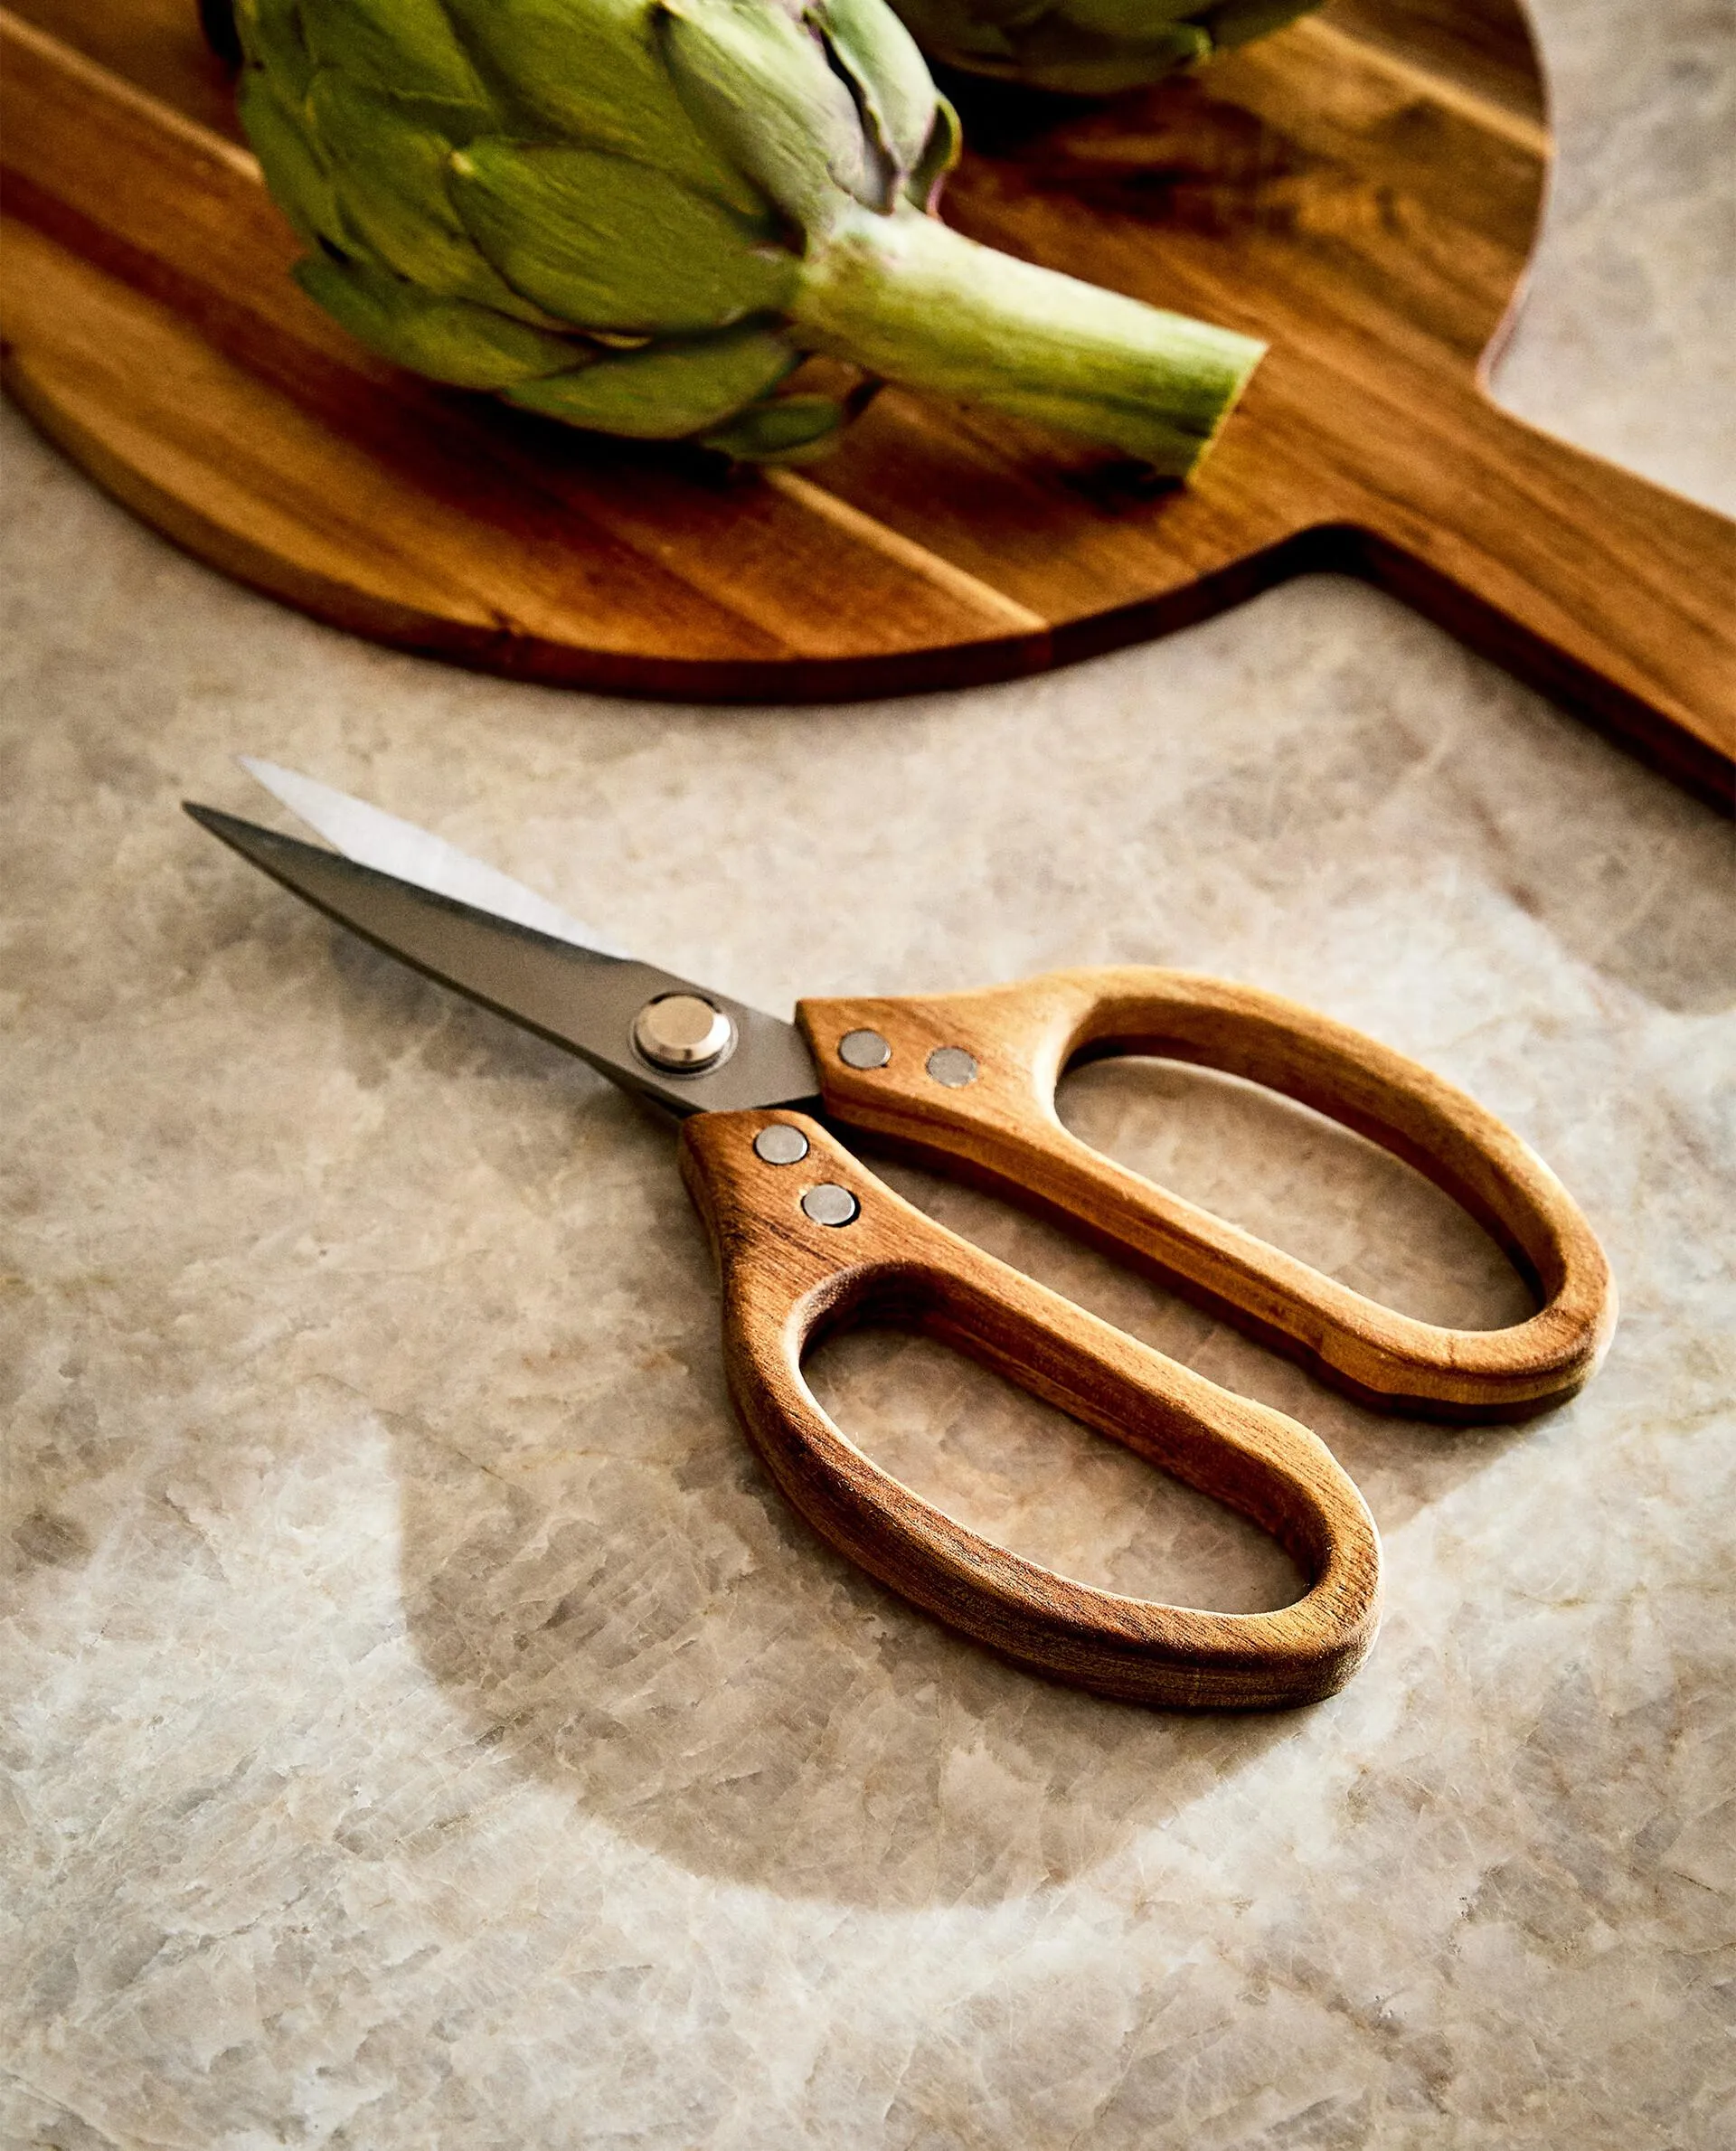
<point>1002,1128</point>
<point>788,1280</point>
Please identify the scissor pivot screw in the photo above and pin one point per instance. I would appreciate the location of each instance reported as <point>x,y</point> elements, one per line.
<point>863,1049</point>
<point>780,1144</point>
<point>830,1204</point>
<point>951,1065</point>
<point>683,1034</point>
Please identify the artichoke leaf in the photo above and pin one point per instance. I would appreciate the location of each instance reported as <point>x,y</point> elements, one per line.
<point>759,85</point>
<point>945,146</point>
<point>1055,56</point>
<point>271,38</point>
<point>390,170</point>
<point>669,391</point>
<point>300,182</point>
<point>1088,47</point>
<point>1239,22</point>
<point>893,84</point>
<point>984,43</point>
<point>1132,22</point>
<point>606,243</point>
<point>401,48</point>
<point>447,339</point>
<point>590,71</point>
<point>781,429</point>
<point>942,27</point>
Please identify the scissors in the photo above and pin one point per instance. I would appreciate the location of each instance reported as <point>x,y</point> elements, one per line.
<point>808,1241</point>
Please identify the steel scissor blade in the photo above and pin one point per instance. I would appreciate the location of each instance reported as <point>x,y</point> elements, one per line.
<point>576,997</point>
<point>375,838</point>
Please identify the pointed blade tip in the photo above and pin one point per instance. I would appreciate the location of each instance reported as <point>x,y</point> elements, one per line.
<point>224,826</point>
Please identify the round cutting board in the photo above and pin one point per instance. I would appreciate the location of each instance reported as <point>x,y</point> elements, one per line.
<point>1363,190</point>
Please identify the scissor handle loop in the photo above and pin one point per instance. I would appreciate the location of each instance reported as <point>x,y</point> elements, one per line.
<point>789,1279</point>
<point>1001,1128</point>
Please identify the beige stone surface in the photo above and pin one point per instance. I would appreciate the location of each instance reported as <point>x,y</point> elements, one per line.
<point>424,1725</point>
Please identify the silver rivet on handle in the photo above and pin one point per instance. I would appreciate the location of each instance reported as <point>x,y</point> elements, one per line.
<point>780,1144</point>
<point>830,1204</point>
<point>951,1065</point>
<point>863,1049</point>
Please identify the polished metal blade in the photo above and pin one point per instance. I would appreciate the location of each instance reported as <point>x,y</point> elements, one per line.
<point>573,996</point>
<point>375,838</point>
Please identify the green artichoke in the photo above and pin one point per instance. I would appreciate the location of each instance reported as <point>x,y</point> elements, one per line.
<point>642,215</point>
<point>1090,48</point>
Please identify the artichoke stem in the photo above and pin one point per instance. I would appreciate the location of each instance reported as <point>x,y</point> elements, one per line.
<point>909,298</point>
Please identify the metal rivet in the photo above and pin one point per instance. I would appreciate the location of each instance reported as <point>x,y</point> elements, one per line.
<point>780,1144</point>
<point>951,1065</point>
<point>863,1049</point>
<point>830,1204</point>
<point>683,1034</point>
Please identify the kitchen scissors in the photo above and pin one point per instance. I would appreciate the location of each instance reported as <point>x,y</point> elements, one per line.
<point>808,1240</point>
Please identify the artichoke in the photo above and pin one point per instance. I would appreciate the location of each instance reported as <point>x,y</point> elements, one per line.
<point>642,215</point>
<point>1090,48</point>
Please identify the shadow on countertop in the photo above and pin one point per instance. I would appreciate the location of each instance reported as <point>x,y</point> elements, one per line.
<point>637,1617</point>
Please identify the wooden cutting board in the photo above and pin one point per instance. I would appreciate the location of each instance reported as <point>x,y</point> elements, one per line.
<point>1363,190</point>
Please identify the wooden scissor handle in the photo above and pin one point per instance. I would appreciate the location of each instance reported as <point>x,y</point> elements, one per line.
<point>789,1278</point>
<point>1001,1128</point>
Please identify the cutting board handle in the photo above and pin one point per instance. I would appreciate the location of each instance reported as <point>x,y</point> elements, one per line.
<point>1585,581</point>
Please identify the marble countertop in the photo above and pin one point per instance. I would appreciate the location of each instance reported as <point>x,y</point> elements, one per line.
<point>425,1726</point>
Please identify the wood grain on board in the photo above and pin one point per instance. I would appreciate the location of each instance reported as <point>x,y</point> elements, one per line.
<point>788,1280</point>
<point>1363,190</point>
